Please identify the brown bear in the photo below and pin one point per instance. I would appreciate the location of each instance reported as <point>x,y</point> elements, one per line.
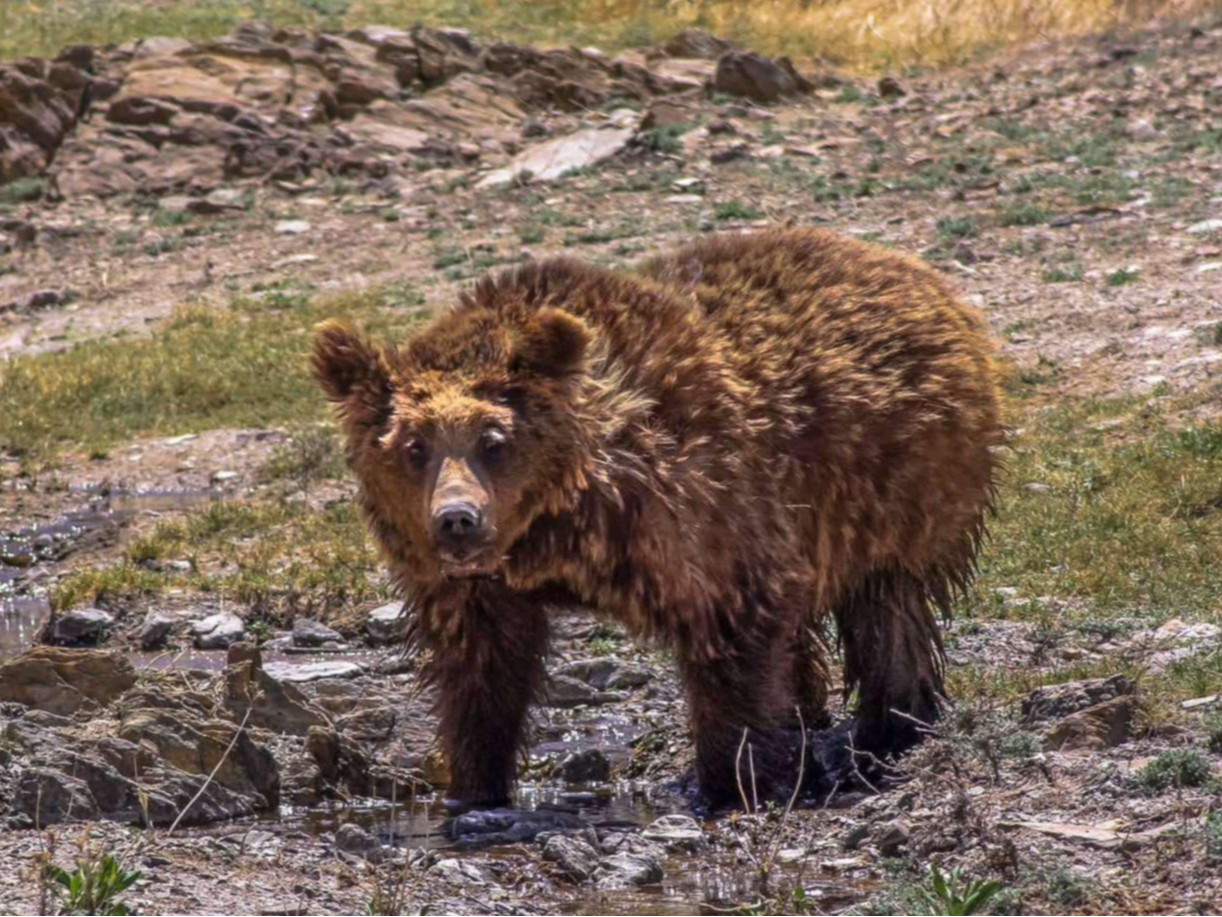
<point>726,450</point>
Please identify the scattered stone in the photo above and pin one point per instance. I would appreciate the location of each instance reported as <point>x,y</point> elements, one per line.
<point>564,691</point>
<point>308,633</point>
<point>80,627</point>
<point>386,624</point>
<point>1104,725</point>
<point>891,838</point>
<point>292,227</point>
<point>1057,701</point>
<point>460,872</point>
<point>218,631</point>
<point>633,864</point>
<point>1104,836</point>
<point>355,840</point>
<point>730,154</point>
<point>490,827</point>
<point>676,833</point>
<point>697,43</point>
<point>1198,702</point>
<point>605,673</point>
<point>61,680</point>
<point>588,766</point>
<point>575,856</point>
<point>222,477</point>
<point>155,629</point>
<point>313,671</point>
<point>1206,226</point>
<point>889,88</point>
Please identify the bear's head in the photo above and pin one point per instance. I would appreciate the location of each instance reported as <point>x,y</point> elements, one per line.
<point>463,436</point>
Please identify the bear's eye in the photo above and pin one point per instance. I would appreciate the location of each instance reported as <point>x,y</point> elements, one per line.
<point>417,452</point>
<point>492,442</point>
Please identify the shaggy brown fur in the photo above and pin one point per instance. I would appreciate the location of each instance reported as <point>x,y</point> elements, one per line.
<point>742,440</point>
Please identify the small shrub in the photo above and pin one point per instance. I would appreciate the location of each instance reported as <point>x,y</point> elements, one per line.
<point>1070,274</point>
<point>94,887</point>
<point>22,191</point>
<point>957,228</point>
<point>311,454</point>
<point>1024,214</point>
<point>735,210</point>
<point>954,896</point>
<point>1021,745</point>
<point>1067,888</point>
<point>1213,728</point>
<point>1178,768</point>
<point>663,139</point>
<point>1212,829</point>
<point>1122,277</point>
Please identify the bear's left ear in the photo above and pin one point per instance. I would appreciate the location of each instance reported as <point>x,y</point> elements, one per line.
<point>553,344</point>
<point>352,371</point>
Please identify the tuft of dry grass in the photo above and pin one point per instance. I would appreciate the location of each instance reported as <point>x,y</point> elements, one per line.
<point>863,35</point>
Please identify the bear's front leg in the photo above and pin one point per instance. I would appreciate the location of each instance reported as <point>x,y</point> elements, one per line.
<point>486,646</point>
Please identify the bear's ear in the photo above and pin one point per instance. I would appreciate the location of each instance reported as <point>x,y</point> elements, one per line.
<point>351,370</point>
<point>553,344</point>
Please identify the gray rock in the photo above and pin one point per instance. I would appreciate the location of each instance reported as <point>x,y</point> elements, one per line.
<point>61,681</point>
<point>564,691</point>
<point>486,827</point>
<point>890,838</point>
<point>559,156</point>
<point>292,227</point>
<point>313,671</point>
<point>676,832</point>
<point>155,629</point>
<point>588,766</point>
<point>386,623</point>
<point>308,633</point>
<point>81,626</point>
<point>218,631</point>
<point>1056,701</point>
<point>355,840</point>
<point>605,673</point>
<point>575,856</point>
<point>460,872</point>
<point>636,864</point>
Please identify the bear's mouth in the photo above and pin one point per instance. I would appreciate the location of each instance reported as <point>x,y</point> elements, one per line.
<point>472,565</point>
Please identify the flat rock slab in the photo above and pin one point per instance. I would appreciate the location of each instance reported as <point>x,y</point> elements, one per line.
<point>312,671</point>
<point>558,157</point>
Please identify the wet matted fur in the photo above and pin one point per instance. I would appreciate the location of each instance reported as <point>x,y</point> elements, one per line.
<point>724,450</point>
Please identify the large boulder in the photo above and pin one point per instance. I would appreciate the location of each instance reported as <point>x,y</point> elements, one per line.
<point>755,77</point>
<point>61,680</point>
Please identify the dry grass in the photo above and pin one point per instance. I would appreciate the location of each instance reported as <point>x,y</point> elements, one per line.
<point>858,34</point>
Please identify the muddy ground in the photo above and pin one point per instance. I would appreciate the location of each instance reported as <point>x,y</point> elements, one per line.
<point>1072,191</point>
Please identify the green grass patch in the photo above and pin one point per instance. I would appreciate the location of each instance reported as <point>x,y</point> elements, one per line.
<point>274,558</point>
<point>203,368</point>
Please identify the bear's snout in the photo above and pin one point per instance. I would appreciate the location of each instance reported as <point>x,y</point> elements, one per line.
<point>458,526</point>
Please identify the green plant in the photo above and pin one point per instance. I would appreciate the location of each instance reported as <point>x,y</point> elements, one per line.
<point>1024,214</point>
<point>1071,274</point>
<point>954,896</point>
<point>664,139</point>
<point>1212,829</point>
<point>1180,767</point>
<point>1067,888</point>
<point>735,210</point>
<point>1020,744</point>
<point>1123,276</point>
<point>93,887</point>
<point>311,454</point>
<point>22,190</point>
<point>1213,728</point>
<point>957,228</point>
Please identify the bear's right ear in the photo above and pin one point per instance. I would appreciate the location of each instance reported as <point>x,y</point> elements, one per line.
<point>351,370</point>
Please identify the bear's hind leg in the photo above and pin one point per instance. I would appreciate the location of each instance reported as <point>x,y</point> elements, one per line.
<point>892,658</point>
<point>746,692</point>
<point>485,660</point>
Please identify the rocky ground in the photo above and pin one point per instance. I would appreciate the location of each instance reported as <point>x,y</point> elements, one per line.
<point>173,219</point>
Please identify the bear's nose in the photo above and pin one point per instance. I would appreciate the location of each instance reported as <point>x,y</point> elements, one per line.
<point>457,524</point>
